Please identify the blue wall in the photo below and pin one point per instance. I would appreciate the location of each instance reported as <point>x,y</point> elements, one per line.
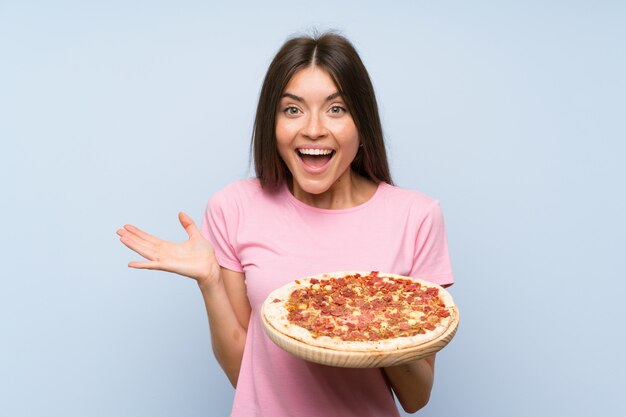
<point>510,113</point>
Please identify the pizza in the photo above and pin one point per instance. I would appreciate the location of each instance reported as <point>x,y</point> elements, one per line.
<point>360,311</point>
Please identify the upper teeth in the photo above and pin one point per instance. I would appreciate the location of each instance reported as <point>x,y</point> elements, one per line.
<point>315,151</point>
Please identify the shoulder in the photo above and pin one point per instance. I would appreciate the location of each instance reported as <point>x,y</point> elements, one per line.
<point>245,197</point>
<point>402,198</point>
<point>237,192</point>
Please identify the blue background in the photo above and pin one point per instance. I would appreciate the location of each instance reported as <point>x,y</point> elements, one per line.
<point>510,113</point>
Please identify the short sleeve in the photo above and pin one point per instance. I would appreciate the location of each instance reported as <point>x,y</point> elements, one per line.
<point>431,260</point>
<point>219,226</point>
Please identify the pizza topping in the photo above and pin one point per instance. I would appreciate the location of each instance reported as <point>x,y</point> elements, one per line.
<point>366,308</point>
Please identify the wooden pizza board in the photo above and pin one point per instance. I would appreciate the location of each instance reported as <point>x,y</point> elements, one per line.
<point>356,359</point>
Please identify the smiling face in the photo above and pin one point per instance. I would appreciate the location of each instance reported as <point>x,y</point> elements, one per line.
<point>316,136</point>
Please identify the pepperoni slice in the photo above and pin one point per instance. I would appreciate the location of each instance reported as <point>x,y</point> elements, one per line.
<point>347,292</point>
<point>443,313</point>
<point>339,300</point>
<point>337,311</point>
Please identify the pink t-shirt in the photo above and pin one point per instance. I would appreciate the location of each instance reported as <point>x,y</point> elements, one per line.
<point>275,238</point>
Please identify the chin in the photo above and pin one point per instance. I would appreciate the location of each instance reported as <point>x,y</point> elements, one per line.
<point>313,187</point>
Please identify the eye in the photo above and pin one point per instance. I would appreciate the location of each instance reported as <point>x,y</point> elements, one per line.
<point>291,110</point>
<point>336,109</point>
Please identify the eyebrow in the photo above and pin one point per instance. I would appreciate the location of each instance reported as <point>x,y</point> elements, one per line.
<point>301,100</point>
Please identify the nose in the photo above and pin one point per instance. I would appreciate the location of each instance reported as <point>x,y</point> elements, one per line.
<point>314,127</point>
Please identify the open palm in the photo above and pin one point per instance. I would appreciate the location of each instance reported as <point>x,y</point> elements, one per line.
<point>194,258</point>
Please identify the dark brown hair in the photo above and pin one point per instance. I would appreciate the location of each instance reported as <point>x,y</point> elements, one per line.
<point>335,54</point>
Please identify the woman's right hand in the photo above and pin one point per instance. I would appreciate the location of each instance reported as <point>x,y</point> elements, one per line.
<point>194,258</point>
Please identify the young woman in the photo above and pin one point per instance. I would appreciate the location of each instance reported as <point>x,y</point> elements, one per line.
<point>322,201</point>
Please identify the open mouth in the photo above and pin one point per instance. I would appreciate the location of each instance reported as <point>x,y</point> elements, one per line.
<point>315,158</point>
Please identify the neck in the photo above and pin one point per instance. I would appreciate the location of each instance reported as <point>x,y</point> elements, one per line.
<point>347,192</point>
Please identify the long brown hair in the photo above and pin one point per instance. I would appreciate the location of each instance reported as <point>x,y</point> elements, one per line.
<point>335,54</point>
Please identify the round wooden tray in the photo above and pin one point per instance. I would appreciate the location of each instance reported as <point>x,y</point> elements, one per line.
<point>354,359</point>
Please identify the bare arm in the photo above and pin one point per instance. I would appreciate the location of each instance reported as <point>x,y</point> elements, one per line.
<point>412,382</point>
<point>223,290</point>
<point>228,310</point>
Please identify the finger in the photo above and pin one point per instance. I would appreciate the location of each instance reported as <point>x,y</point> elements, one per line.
<point>124,232</point>
<point>140,233</point>
<point>143,249</point>
<point>139,248</point>
<point>188,224</point>
<point>145,265</point>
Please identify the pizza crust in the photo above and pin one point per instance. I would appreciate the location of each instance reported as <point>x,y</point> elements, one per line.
<point>276,315</point>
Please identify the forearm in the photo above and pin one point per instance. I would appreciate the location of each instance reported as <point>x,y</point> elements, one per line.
<point>228,336</point>
<point>412,382</point>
